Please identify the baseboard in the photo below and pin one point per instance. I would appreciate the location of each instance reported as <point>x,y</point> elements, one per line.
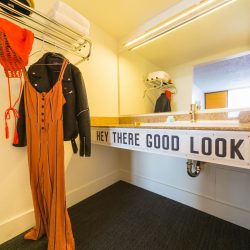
<point>88,189</point>
<point>219,209</point>
<point>22,222</point>
<point>16,225</point>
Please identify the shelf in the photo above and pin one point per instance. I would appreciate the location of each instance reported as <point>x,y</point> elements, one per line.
<point>50,31</point>
<point>160,84</point>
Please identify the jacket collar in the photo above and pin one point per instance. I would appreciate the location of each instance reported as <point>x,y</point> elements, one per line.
<point>39,71</point>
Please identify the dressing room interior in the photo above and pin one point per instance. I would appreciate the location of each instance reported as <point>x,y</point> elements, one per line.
<point>125,125</point>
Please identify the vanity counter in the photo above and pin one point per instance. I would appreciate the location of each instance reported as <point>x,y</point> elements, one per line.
<point>224,142</point>
<point>218,121</point>
<point>192,126</point>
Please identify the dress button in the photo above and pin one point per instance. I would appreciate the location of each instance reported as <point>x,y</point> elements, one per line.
<point>42,106</point>
<point>42,127</point>
<point>42,120</point>
<point>42,113</point>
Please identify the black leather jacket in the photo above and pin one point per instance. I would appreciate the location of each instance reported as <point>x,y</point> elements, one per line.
<point>162,104</point>
<point>76,119</point>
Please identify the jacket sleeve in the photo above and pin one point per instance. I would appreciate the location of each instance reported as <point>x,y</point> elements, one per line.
<point>82,114</point>
<point>21,124</point>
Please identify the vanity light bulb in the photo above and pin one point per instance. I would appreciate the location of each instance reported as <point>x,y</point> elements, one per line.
<point>186,13</point>
<point>179,17</point>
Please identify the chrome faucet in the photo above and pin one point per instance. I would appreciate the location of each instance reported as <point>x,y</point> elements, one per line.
<point>193,112</point>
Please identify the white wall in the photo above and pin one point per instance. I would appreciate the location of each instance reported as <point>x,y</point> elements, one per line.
<point>198,96</point>
<point>182,76</point>
<point>84,176</point>
<point>133,71</point>
<point>222,191</point>
<point>219,190</point>
<point>101,74</point>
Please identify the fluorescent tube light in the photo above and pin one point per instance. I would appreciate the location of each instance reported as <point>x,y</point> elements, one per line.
<point>159,31</point>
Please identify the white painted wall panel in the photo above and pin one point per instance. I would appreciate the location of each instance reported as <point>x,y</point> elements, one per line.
<point>170,171</point>
<point>219,190</point>
<point>232,187</point>
<point>84,176</point>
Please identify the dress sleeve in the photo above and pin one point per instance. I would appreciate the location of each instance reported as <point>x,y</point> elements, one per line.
<point>82,114</point>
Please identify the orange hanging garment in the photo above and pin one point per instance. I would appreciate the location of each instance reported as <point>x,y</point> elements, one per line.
<point>44,130</point>
<point>15,46</point>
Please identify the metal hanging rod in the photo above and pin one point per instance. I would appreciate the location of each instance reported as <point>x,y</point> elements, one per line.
<point>56,34</point>
<point>29,25</point>
<point>43,39</point>
<point>34,20</point>
<point>159,84</point>
<point>45,17</point>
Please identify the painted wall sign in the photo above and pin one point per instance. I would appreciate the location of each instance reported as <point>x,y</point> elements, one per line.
<point>223,147</point>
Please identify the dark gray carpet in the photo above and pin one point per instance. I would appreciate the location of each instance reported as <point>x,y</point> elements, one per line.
<point>127,217</point>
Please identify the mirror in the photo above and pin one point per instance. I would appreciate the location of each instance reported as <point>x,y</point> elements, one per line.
<point>212,47</point>
<point>223,84</point>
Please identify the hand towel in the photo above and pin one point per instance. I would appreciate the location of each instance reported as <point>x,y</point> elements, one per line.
<point>70,23</point>
<point>70,13</point>
<point>160,75</point>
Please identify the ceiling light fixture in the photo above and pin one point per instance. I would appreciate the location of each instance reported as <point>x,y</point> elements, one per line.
<point>184,18</point>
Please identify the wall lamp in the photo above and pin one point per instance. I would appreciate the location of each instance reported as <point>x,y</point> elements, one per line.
<point>183,18</point>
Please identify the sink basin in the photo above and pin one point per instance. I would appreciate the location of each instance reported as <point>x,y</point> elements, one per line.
<point>201,123</point>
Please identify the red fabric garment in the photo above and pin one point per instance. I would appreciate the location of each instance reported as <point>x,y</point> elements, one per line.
<point>168,94</point>
<point>15,46</point>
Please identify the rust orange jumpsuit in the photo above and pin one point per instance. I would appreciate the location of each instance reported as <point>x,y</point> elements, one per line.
<point>44,128</point>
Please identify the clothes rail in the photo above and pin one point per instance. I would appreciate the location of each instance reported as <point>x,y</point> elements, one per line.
<point>159,84</point>
<point>45,17</point>
<point>30,25</point>
<point>50,31</point>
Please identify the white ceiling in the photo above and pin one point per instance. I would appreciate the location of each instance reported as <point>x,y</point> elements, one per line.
<point>226,29</point>
<point>231,73</point>
<point>120,17</point>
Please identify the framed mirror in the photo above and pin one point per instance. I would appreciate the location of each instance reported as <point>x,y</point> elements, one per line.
<point>215,46</point>
<point>223,84</point>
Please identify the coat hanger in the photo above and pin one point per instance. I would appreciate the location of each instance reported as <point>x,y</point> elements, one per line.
<point>55,53</point>
<point>42,49</point>
<point>54,56</point>
<point>52,52</point>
